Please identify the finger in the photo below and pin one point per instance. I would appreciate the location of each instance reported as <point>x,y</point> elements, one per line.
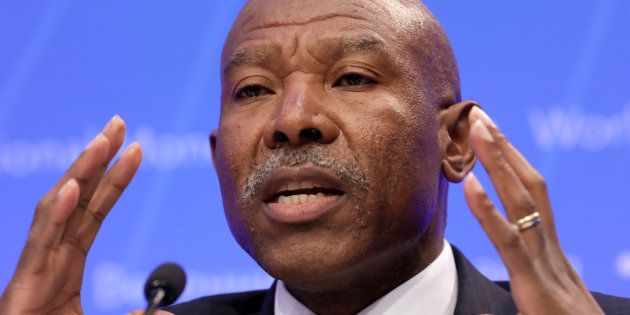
<point>43,234</point>
<point>529,176</point>
<point>107,194</point>
<point>114,131</point>
<point>86,164</point>
<point>504,236</point>
<point>515,198</point>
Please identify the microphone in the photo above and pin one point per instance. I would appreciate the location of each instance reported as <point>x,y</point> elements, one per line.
<point>164,286</point>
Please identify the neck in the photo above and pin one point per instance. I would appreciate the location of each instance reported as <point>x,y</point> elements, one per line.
<point>356,290</point>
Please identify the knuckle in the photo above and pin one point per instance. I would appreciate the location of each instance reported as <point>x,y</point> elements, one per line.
<point>500,137</point>
<point>524,204</point>
<point>118,187</point>
<point>97,216</point>
<point>537,181</point>
<point>74,243</point>
<point>528,206</point>
<point>115,185</point>
<point>512,241</point>
<point>42,205</point>
<point>502,163</point>
<point>486,202</point>
<point>30,243</point>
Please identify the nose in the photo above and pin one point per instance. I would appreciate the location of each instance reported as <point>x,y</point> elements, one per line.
<point>300,120</point>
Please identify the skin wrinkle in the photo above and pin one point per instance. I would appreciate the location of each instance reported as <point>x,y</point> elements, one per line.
<point>304,23</point>
<point>364,44</point>
<point>310,51</point>
<point>384,134</point>
<point>296,46</point>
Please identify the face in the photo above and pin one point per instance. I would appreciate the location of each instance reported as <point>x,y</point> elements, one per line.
<point>327,149</point>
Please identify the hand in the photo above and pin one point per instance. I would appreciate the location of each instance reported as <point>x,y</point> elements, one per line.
<point>48,276</point>
<point>542,280</point>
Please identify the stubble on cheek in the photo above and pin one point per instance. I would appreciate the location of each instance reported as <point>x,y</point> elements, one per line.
<point>405,156</point>
<point>233,160</point>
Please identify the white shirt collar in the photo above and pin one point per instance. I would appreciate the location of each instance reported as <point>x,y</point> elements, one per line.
<point>432,291</point>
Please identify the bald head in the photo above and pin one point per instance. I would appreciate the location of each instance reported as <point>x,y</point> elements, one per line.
<point>315,91</point>
<point>407,24</point>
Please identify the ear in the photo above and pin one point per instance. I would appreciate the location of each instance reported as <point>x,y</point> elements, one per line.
<point>457,156</point>
<point>214,135</point>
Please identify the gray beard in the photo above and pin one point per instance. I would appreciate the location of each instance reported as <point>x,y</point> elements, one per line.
<point>315,154</point>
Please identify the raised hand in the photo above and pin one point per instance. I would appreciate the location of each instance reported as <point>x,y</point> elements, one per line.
<point>48,277</point>
<point>542,280</point>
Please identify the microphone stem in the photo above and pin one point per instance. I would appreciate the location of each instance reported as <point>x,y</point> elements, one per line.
<point>159,295</point>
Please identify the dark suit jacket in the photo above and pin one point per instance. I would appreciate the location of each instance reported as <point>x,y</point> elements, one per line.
<point>476,295</point>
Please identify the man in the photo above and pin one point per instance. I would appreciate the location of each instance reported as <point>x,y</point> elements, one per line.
<point>341,127</point>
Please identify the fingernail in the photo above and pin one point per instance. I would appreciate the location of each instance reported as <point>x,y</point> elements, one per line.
<point>483,130</point>
<point>110,123</point>
<point>470,177</point>
<point>479,113</point>
<point>472,182</point>
<point>69,184</point>
<point>133,149</point>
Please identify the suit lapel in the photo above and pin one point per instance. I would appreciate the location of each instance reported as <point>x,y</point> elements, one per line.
<point>477,294</point>
<point>268,305</point>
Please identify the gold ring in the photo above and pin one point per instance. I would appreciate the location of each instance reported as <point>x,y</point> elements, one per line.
<point>529,221</point>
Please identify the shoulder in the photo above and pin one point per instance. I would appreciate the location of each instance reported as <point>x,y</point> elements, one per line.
<point>250,302</point>
<point>479,295</point>
<point>609,303</point>
<point>612,304</point>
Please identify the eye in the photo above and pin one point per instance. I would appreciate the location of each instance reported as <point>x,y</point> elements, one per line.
<point>354,80</point>
<point>251,91</point>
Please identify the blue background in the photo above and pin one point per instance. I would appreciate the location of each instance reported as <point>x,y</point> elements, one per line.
<point>553,74</point>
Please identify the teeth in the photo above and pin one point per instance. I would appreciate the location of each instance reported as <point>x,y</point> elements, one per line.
<point>306,185</point>
<point>298,199</point>
<point>295,199</point>
<point>282,200</point>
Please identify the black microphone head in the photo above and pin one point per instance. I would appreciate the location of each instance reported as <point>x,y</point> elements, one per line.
<point>171,278</point>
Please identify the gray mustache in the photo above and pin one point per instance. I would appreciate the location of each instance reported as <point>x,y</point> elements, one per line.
<point>315,154</point>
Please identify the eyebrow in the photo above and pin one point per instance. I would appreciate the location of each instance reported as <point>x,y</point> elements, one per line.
<point>246,56</point>
<point>335,47</point>
<point>363,45</point>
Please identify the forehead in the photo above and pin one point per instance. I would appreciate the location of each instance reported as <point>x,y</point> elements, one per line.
<point>266,13</point>
<point>352,20</point>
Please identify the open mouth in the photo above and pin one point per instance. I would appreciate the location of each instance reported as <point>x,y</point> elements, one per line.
<point>296,193</point>
<point>301,194</point>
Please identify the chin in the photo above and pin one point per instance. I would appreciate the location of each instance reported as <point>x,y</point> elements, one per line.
<point>310,263</point>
